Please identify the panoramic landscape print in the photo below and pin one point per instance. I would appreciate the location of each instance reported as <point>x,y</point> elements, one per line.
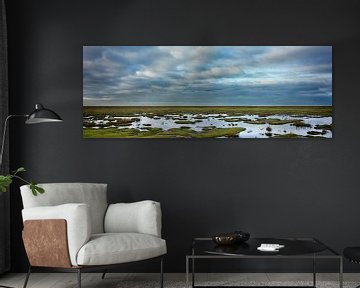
<point>207,92</point>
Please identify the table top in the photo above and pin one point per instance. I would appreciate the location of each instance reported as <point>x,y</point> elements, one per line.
<point>293,247</point>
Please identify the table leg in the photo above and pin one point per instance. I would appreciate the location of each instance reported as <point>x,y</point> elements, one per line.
<point>187,272</point>
<point>341,273</point>
<point>193,267</point>
<point>314,271</point>
<point>193,272</point>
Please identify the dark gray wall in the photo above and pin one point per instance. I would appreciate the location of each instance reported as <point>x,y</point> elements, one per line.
<point>268,187</point>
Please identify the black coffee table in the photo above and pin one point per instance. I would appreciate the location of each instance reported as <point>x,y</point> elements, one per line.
<point>295,248</point>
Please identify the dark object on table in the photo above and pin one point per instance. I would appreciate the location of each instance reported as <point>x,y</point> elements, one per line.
<point>242,236</point>
<point>231,238</point>
<point>353,254</point>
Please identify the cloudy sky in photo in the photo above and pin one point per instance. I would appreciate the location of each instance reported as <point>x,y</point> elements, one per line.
<point>207,75</point>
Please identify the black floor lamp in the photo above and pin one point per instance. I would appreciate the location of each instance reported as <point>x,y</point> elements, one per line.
<point>39,115</point>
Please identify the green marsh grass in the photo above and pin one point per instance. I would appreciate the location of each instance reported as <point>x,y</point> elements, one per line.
<point>183,132</point>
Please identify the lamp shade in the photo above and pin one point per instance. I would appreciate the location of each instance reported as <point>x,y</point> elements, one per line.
<point>42,115</point>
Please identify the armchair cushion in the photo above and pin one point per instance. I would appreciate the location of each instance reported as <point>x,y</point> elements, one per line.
<point>138,217</point>
<point>92,194</point>
<point>78,221</point>
<point>113,248</point>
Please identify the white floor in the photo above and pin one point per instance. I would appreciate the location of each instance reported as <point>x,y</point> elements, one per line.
<point>115,280</point>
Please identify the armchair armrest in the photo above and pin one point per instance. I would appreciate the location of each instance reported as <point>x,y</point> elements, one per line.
<point>138,217</point>
<point>77,219</point>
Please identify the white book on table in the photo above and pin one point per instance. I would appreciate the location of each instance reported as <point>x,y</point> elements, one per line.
<point>270,247</point>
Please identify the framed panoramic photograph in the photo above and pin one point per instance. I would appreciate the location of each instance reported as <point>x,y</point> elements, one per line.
<point>207,92</point>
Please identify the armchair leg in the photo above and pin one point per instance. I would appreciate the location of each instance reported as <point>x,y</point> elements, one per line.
<point>79,277</point>
<point>103,275</point>
<point>161,273</point>
<point>27,277</point>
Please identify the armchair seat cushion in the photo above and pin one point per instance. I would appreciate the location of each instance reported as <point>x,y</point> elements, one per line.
<point>113,248</point>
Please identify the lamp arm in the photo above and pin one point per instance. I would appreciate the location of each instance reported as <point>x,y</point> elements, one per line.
<point>4,134</point>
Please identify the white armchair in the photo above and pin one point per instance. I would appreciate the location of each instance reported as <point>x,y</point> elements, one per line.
<point>72,228</point>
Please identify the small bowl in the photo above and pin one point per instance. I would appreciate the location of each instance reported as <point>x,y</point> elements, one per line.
<point>225,239</point>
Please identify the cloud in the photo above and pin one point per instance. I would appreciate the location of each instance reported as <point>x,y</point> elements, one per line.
<point>207,75</point>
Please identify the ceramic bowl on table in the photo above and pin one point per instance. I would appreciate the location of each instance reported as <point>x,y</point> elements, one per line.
<point>231,238</point>
<point>224,239</point>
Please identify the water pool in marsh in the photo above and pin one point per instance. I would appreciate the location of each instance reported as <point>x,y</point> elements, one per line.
<point>255,126</point>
